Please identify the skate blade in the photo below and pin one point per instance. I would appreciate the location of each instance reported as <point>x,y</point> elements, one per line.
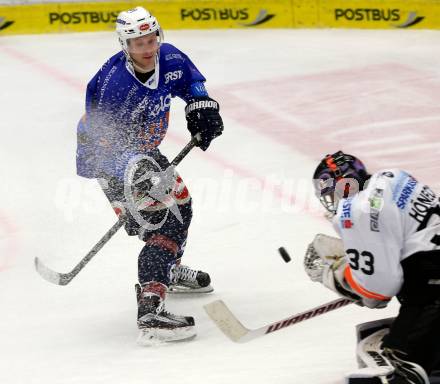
<point>156,336</point>
<point>189,290</point>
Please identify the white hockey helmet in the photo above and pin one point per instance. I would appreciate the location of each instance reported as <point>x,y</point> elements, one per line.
<point>134,23</point>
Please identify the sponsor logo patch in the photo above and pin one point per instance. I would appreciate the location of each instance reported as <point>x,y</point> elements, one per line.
<point>406,193</point>
<point>387,174</point>
<point>144,27</point>
<point>172,56</point>
<point>346,221</point>
<point>376,205</point>
<point>171,76</point>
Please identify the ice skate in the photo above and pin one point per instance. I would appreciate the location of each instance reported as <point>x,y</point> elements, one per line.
<point>157,325</point>
<point>186,280</point>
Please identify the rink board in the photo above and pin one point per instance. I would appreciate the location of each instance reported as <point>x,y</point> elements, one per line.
<point>58,17</point>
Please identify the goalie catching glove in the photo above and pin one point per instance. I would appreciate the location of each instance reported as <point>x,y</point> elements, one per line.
<point>325,263</point>
<point>203,117</point>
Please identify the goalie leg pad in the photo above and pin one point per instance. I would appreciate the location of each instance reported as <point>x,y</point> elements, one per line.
<point>382,366</point>
<point>365,330</point>
<point>375,368</point>
<point>370,354</point>
<point>368,376</point>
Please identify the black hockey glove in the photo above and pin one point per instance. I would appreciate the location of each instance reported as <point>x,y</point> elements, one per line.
<point>202,115</point>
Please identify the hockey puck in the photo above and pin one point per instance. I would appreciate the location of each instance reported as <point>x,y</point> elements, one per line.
<point>284,254</point>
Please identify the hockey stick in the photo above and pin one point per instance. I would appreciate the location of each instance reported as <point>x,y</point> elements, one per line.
<point>65,278</point>
<point>236,331</point>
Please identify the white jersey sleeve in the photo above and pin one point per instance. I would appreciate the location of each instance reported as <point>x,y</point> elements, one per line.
<point>389,220</point>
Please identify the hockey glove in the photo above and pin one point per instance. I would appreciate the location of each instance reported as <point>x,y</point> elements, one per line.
<point>324,250</point>
<point>333,278</point>
<point>203,117</point>
<point>324,262</point>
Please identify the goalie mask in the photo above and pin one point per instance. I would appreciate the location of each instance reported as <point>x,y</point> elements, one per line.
<point>338,176</point>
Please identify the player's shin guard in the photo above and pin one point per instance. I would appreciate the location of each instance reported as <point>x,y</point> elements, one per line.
<point>155,258</point>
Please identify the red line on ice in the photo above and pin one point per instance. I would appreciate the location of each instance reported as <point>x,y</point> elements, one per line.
<point>44,68</point>
<point>78,85</point>
<point>387,114</point>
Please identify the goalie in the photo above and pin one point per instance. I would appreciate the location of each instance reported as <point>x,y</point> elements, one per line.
<point>389,228</point>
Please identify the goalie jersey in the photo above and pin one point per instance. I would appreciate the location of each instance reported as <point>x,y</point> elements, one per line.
<point>393,218</point>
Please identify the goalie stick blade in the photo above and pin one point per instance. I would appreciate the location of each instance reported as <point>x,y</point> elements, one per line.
<point>50,275</point>
<point>225,320</point>
<point>236,331</point>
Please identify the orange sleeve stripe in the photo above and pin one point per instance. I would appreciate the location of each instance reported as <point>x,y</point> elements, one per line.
<point>361,290</point>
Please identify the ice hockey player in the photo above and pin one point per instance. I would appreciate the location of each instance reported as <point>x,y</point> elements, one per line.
<point>389,245</point>
<point>126,119</point>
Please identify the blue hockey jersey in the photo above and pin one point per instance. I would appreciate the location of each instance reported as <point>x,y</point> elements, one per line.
<point>125,117</point>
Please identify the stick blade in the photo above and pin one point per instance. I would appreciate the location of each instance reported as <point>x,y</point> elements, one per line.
<point>48,274</point>
<point>225,320</point>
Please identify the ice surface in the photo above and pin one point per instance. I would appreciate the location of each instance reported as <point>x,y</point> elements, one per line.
<point>287,97</point>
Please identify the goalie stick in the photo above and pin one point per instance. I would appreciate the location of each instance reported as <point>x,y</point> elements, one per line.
<point>236,331</point>
<point>65,278</point>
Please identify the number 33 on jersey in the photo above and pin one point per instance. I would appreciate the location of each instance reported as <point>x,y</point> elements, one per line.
<point>393,218</point>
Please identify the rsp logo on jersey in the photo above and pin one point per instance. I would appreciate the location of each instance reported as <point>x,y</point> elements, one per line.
<point>170,76</point>
<point>83,17</point>
<point>346,214</point>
